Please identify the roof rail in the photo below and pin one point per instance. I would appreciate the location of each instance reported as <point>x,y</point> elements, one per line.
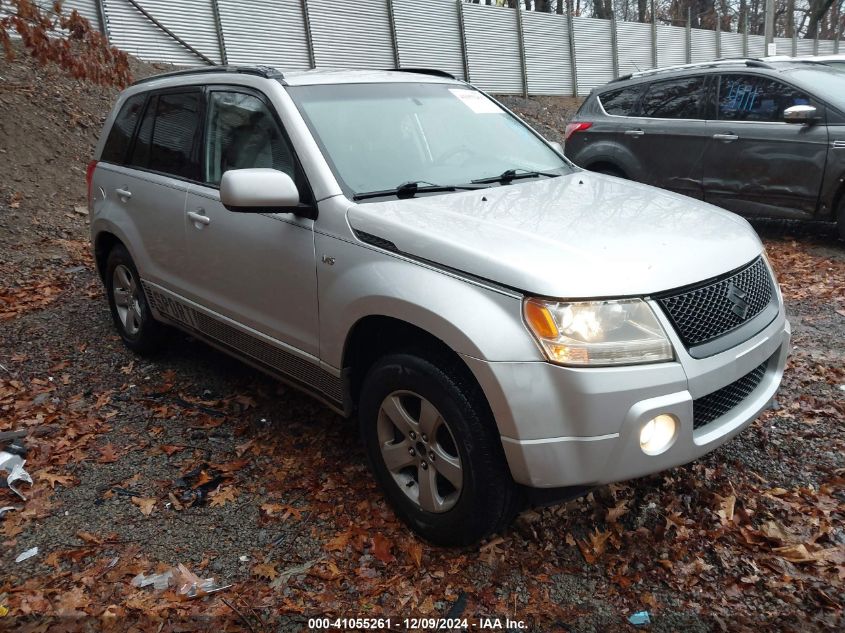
<point>268,72</point>
<point>434,72</point>
<point>747,61</point>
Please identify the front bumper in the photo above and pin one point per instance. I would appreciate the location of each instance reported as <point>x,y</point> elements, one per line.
<point>564,426</point>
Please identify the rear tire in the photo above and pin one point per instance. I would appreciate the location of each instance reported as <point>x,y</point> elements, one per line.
<point>130,310</point>
<point>435,450</point>
<point>609,170</point>
<point>840,218</point>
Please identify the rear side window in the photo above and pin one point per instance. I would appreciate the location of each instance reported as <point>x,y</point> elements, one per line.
<point>621,102</point>
<point>174,131</point>
<point>755,98</point>
<point>121,132</point>
<point>674,99</point>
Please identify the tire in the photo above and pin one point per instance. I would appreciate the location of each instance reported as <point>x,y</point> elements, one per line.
<point>609,170</point>
<point>467,490</point>
<point>130,310</point>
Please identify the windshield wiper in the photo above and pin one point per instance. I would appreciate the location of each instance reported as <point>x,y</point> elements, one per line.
<point>410,189</point>
<point>515,174</point>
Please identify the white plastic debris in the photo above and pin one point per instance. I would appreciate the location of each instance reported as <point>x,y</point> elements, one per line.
<point>180,577</point>
<point>27,554</point>
<point>13,464</point>
<point>6,509</point>
<point>158,581</point>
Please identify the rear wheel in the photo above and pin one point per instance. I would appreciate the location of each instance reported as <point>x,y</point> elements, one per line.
<point>840,218</point>
<point>435,451</point>
<point>129,308</point>
<point>608,170</point>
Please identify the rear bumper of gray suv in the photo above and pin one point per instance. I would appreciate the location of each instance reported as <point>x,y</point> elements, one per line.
<point>564,426</point>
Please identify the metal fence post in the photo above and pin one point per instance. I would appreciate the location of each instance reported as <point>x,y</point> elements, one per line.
<point>614,46</point>
<point>393,35</point>
<point>520,33</point>
<point>653,36</point>
<point>718,37</point>
<point>816,44</point>
<point>573,66</point>
<point>218,25</point>
<point>745,36</point>
<point>306,22</point>
<point>689,36</point>
<point>101,16</point>
<point>463,32</point>
<point>794,43</point>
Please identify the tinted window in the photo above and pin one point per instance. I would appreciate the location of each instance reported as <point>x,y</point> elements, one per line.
<point>752,98</point>
<point>141,150</point>
<point>172,135</point>
<point>621,102</point>
<point>242,133</point>
<point>121,132</point>
<point>675,99</point>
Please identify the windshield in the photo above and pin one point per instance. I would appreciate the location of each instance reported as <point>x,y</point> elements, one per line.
<point>379,136</point>
<point>825,83</point>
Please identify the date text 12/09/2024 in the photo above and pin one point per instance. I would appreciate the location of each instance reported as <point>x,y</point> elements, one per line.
<point>399,624</point>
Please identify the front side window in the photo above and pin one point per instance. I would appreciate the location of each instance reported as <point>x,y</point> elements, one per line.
<point>755,98</point>
<point>241,134</point>
<point>379,136</point>
<point>121,132</point>
<point>621,102</point>
<point>674,99</point>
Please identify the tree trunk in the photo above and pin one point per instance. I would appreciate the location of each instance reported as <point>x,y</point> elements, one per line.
<point>817,11</point>
<point>642,9</point>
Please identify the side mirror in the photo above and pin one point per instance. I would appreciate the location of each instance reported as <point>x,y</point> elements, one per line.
<point>258,190</point>
<point>557,147</point>
<point>800,114</point>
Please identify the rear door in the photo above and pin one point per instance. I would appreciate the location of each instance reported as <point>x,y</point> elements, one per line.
<point>755,162</point>
<point>143,172</point>
<point>669,136</point>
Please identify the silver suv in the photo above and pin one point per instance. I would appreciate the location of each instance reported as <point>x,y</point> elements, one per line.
<point>506,327</point>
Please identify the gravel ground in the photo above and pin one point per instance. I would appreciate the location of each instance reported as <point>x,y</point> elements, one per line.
<point>121,445</point>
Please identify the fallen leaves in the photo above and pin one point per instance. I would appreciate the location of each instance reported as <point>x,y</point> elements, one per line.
<point>53,478</point>
<point>221,496</point>
<point>146,504</point>
<point>267,571</point>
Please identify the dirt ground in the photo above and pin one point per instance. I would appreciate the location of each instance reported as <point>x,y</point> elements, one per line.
<point>193,458</point>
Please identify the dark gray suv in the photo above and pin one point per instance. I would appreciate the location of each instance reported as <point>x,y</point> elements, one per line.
<point>755,137</point>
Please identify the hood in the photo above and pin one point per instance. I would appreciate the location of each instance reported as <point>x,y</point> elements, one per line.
<point>576,236</point>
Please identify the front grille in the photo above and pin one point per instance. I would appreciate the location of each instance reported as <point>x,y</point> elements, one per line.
<point>707,312</point>
<point>715,405</point>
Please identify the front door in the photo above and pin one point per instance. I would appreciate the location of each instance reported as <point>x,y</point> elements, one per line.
<point>756,163</point>
<point>257,269</point>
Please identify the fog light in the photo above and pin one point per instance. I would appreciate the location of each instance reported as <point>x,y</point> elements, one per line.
<point>657,434</point>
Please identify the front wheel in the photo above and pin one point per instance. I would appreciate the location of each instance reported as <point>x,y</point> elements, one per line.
<point>435,451</point>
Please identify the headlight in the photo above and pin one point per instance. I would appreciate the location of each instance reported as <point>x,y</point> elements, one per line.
<point>622,332</point>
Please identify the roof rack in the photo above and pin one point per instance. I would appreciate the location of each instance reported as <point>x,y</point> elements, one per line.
<point>747,61</point>
<point>268,72</point>
<point>434,72</point>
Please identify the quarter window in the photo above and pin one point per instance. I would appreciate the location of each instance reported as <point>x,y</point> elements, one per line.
<point>121,132</point>
<point>675,99</point>
<point>242,133</point>
<point>755,98</point>
<point>621,102</point>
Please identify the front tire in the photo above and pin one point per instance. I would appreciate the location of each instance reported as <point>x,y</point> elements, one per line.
<point>130,310</point>
<point>432,445</point>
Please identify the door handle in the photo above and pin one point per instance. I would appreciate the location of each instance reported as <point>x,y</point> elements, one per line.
<point>123,193</point>
<point>199,217</point>
<point>725,137</point>
<point>634,133</point>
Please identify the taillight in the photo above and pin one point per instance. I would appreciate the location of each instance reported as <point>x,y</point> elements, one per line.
<point>89,177</point>
<point>571,128</point>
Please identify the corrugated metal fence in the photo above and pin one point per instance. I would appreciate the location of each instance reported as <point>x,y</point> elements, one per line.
<point>499,49</point>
